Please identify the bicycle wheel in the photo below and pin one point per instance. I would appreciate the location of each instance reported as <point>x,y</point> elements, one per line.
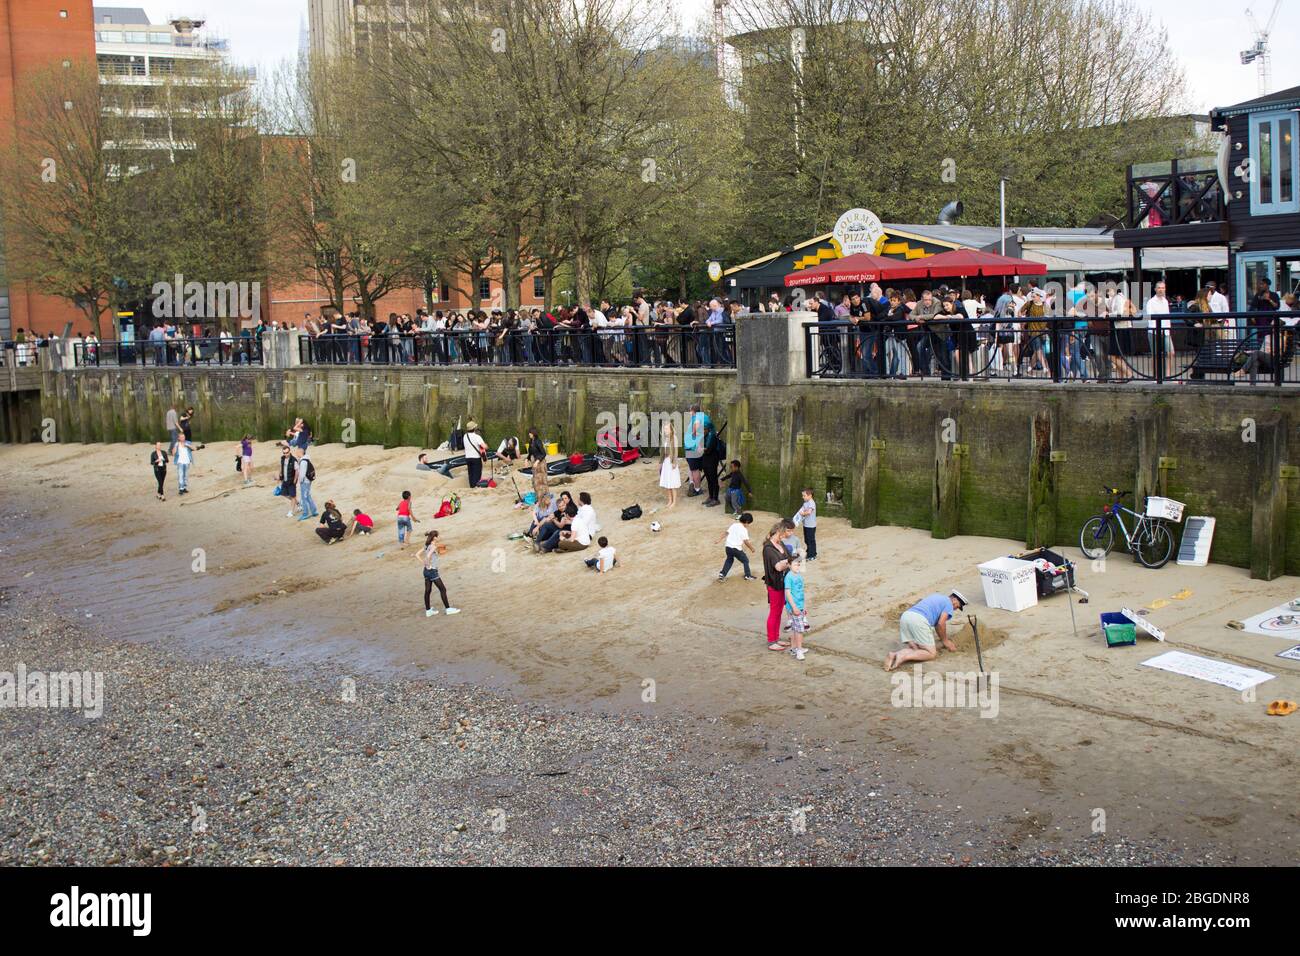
<point>1153,545</point>
<point>1097,537</point>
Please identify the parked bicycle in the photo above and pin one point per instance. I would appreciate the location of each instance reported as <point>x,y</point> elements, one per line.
<point>1150,543</point>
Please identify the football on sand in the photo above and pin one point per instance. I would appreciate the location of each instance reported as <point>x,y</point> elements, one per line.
<point>655,526</point>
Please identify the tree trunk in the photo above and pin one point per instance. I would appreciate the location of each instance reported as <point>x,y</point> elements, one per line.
<point>510,266</point>
<point>475,280</point>
<point>93,312</point>
<point>337,291</point>
<point>429,289</point>
<point>582,272</point>
<point>682,288</point>
<point>548,287</point>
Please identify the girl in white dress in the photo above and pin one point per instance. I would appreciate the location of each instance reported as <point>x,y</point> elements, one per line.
<point>670,476</point>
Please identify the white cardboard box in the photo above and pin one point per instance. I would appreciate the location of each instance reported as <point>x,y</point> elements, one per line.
<point>1009,584</point>
<point>1166,508</point>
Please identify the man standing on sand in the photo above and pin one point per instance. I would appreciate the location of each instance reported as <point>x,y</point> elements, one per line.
<point>305,473</point>
<point>693,446</point>
<point>920,624</point>
<point>475,452</point>
<point>173,429</point>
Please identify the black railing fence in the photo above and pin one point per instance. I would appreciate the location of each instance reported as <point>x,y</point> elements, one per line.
<point>236,350</point>
<point>1254,347</point>
<point>624,346</point>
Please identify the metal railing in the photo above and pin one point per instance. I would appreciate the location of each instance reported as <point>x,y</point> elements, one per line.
<point>1218,348</point>
<point>1174,193</point>
<point>172,353</point>
<point>620,347</point>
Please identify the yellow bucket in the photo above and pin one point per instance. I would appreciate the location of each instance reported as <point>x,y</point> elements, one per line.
<point>552,448</point>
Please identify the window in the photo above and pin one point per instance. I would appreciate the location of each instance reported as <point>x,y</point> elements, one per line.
<point>445,293</point>
<point>1275,155</point>
<point>539,288</point>
<point>485,289</point>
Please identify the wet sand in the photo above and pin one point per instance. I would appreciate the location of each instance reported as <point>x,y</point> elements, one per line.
<point>1079,727</point>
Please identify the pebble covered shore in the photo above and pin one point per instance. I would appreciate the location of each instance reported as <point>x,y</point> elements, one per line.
<point>206,764</point>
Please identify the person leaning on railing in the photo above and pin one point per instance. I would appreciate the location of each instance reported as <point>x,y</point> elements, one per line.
<point>1034,313</point>
<point>1093,309</point>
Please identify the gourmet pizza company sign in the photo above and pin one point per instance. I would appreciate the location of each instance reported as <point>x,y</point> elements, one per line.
<point>858,230</point>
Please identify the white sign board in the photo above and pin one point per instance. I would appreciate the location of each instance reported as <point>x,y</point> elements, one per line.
<point>1203,668</point>
<point>858,230</point>
<point>1291,653</point>
<point>1280,621</point>
<point>1142,623</point>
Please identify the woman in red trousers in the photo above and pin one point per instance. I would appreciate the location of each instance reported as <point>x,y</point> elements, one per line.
<point>775,562</point>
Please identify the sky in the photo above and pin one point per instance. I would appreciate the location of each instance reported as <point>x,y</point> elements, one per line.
<point>1206,36</point>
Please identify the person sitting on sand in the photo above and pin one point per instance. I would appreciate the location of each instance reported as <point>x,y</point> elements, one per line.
<point>423,464</point>
<point>544,508</point>
<point>578,536</point>
<point>920,624</point>
<point>361,523</point>
<point>604,559</point>
<point>508,450</point>
<point>551,531</point>
<point>331,526</point>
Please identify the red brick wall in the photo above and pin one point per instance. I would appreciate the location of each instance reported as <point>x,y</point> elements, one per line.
<point>288,303</point>
<point>32,37</point>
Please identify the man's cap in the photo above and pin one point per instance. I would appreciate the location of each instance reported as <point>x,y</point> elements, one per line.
<point>470,426</point>
<point>961,598</point>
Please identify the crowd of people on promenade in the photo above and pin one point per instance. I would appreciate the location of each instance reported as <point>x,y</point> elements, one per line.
<point>900,333</point>
<point>661,333</point>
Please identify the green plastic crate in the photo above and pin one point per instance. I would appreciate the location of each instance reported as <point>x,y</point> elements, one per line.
<point>1119,630</point>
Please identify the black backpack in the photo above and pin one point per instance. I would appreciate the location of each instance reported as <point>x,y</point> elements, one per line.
<point>311,471</point>
<point>631,513</point>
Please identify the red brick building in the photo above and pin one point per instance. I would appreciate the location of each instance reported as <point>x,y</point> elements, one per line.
<point>35,34</point>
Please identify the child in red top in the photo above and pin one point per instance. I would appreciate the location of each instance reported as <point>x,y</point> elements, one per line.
<point>361,523</point>
<point>404,518</point>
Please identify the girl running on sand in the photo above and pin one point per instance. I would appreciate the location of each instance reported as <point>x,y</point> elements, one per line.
<point>429,556</point>
<point>158,459</point>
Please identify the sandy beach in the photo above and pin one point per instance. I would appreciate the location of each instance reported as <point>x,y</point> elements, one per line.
<point>1178,764</point>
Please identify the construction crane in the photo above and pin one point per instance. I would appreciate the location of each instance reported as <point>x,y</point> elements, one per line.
<point>1259,53</point>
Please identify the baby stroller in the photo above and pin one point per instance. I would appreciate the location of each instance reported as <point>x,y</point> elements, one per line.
<point>611,452</point>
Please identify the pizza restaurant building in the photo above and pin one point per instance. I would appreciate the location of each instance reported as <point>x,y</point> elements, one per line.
<point>1054,254</point>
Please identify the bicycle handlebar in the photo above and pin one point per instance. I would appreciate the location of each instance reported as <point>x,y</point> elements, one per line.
<point>1117,493</point>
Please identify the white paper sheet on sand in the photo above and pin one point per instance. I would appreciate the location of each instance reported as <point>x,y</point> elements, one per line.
<point>1203,668</point>
<point>1291,653</point>
<point>1280,621</point>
